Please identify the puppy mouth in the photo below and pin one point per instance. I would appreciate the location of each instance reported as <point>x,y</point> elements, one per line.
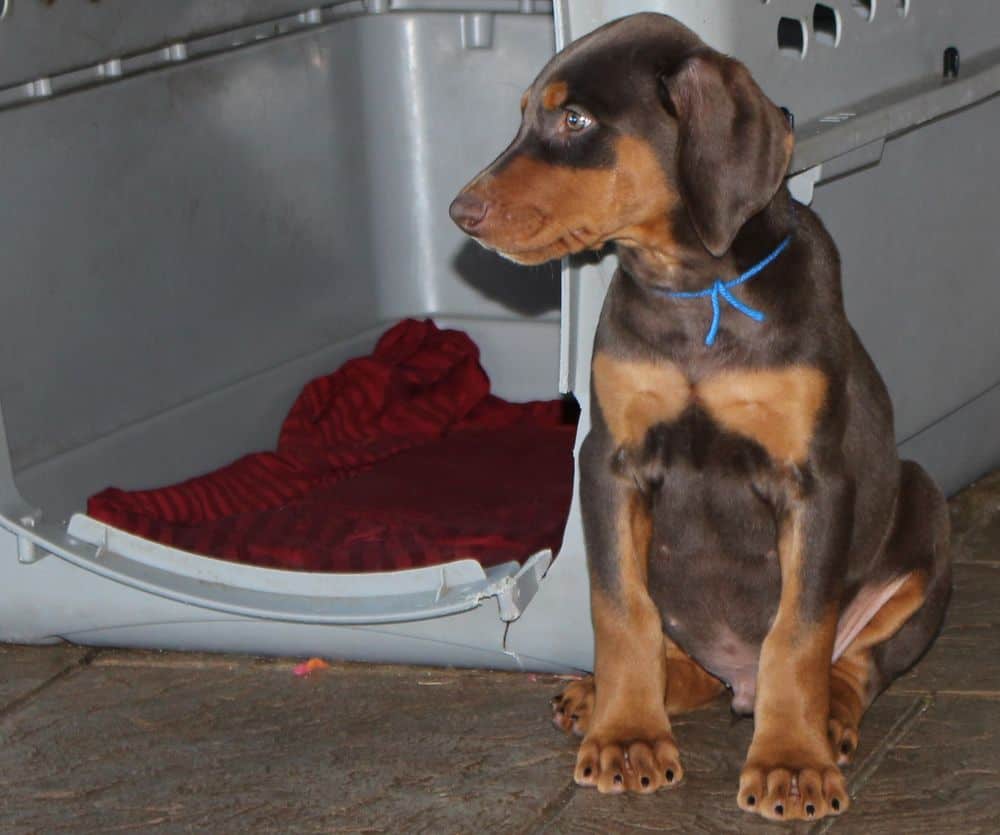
<point>568,241</point>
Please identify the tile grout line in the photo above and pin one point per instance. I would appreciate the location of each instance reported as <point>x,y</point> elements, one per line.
<point>960,694</point>
<point>14,705</point>
<point>900,728</point>
<point>551,810</point>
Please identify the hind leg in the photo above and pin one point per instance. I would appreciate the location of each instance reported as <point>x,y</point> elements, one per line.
<point>900,616</point>
<point>689,686</point>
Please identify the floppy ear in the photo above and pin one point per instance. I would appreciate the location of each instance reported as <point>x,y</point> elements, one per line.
<point>734,145</point>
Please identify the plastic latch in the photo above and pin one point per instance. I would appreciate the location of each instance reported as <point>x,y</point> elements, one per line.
<point>27,551</point>
<point>508,600</point>
<point>513,594</point>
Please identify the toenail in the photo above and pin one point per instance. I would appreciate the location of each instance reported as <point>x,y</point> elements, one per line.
<point>645,781</point>
<point>810,810</point>
<point>779,809</point>
<point>751,801</point>
<point>587,771</point>
<point>670,775</point>
<point>845,747</point>
<point>618,778</point>
<point>574,717</point>
<point>835,805</point>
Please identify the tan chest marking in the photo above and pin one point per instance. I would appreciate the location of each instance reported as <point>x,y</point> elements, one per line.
<point>777,408</point>
<point>634,396</point>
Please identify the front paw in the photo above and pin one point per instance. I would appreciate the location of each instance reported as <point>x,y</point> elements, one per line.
<point>792,787</point>
<point>640,763</point>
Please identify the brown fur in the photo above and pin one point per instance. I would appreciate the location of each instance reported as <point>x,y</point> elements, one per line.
<point>746,517</point>
<point>541,211</point>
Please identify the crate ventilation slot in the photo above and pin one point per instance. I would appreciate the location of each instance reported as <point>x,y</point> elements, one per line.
<point>864,8</point>
<point>792,37</point>
<point>826,24</point>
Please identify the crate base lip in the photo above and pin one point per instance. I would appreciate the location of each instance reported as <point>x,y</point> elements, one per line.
<point>441,591</point>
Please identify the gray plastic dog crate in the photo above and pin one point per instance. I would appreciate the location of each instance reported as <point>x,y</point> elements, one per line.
<point>207,204</point>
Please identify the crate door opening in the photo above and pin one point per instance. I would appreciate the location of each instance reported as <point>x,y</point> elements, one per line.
<point>189,246</point>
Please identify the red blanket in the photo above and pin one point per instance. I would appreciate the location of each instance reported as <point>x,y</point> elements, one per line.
<point>397,460</point>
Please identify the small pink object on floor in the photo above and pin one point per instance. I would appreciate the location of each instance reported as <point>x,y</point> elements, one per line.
<point>308,667</point>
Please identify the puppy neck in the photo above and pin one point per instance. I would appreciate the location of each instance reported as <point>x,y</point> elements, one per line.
<point>675,259</point>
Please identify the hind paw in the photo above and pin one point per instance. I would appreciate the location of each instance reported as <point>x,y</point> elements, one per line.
<point>843,740</point>
<point>571,709</point>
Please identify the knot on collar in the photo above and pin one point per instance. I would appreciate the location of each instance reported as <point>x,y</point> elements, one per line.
<point>720,290</point>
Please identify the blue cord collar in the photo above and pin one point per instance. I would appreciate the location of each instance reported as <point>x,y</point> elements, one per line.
<point>721,290</point>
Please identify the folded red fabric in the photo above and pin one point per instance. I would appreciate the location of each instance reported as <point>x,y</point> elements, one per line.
<point>399,459</point>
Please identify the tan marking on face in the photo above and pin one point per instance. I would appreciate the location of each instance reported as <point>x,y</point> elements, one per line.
<point>555,95</point>
<point>775,408</point>
<point>524,99</point>
<point>635,395</point>
<point>542,211</point>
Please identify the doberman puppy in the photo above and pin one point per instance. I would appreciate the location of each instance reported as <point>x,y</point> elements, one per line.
<point>748,523</point>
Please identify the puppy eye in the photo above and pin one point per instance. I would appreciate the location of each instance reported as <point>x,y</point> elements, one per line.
<point>575,121</point>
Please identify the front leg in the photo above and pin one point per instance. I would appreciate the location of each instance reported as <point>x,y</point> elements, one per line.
<point>790,771</point>
<point>629,744</point>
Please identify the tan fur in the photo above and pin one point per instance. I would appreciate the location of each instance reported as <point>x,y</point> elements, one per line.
<point>793,678</point>
<point>635,395</point>
<point>790,744</point>
<point>549,211</point>
<point>777,408</point>
<point>689,687</point>
<point>850,679</point>
<point>629,745</point>
<point>554,95</point>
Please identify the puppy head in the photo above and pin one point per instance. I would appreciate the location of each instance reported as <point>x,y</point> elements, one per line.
<point>637,133</point>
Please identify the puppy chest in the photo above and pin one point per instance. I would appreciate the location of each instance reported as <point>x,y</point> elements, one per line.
<point>776,408</point>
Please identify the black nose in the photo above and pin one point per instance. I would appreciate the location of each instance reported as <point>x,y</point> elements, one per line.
<point>468,211</point>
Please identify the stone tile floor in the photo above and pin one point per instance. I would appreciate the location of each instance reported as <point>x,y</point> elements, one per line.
<point>162,742</point>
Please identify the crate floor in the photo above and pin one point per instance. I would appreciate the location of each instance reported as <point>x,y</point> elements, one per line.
<point>165,742</point>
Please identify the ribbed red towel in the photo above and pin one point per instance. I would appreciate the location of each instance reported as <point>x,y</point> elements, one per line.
<point>399,459</point>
